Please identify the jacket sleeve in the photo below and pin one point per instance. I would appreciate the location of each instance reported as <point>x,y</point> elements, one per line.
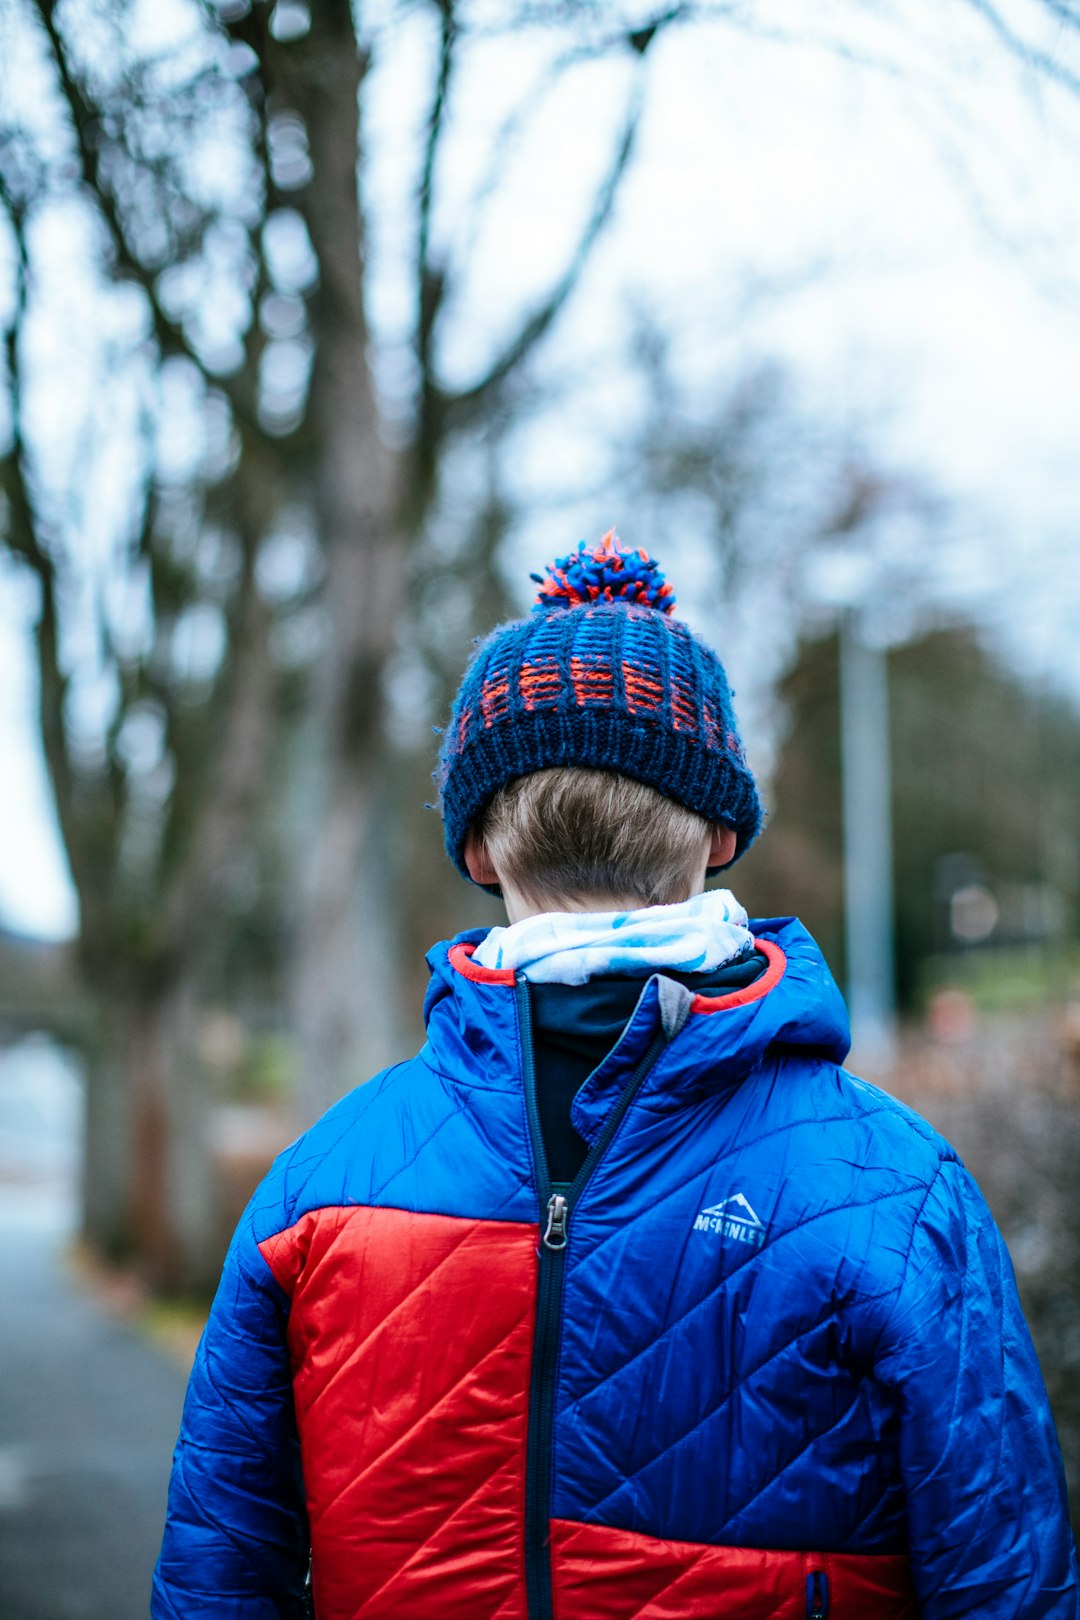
<point>988,1518</point>
<point>236,1541</point>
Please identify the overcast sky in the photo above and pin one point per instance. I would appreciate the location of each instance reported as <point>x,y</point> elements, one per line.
<point>931,187</point>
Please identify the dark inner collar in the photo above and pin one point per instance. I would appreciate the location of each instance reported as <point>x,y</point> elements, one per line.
<point>575,1026</point>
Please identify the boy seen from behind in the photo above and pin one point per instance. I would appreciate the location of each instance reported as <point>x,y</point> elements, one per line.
<point>622,1298</point>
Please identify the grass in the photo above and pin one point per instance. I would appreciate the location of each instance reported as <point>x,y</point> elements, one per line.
<point>1007,979</point>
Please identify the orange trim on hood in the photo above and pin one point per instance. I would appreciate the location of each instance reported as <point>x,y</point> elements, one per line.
<point>751,992</point>
<point>461,960</point>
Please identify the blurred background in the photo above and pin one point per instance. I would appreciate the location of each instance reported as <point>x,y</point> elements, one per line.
<point>324,325</point>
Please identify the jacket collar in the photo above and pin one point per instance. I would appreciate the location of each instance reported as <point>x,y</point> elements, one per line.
<point>472,1019</point>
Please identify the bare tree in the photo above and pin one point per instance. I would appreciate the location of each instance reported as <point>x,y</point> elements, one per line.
<point>160,814</point>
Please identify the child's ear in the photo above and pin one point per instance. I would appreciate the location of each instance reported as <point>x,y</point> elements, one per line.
<point>722,846</point>
<point>476,860</point>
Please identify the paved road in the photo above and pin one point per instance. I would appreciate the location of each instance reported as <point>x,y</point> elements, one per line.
<point>88,1410</point>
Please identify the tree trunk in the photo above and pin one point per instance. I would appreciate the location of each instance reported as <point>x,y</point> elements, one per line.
<point>344,989</point>
<point>150,1189</point>
<point>108,1143</point>
<point>347,958</point>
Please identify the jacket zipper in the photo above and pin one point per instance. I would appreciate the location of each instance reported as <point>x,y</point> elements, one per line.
<point>557,1202</point>
<point>817,1595</point>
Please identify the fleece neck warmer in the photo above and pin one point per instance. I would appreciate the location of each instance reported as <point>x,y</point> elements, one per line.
<point>569,947</point>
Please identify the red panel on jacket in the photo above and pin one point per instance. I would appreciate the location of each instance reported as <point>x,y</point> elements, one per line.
<point>411,1344</point>
<point>604,1574</point>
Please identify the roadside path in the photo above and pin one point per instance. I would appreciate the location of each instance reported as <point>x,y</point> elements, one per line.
<point>88,1409</point>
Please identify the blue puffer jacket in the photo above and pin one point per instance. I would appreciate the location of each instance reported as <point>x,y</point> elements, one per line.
<point>764,1358</point>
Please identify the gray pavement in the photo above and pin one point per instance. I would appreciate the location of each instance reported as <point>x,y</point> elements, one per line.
<point>88,1409</point>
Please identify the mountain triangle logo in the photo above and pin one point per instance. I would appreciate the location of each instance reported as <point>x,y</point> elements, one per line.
<point>733,1217</point>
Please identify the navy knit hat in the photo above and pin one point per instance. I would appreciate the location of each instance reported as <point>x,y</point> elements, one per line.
<point>600,674</point>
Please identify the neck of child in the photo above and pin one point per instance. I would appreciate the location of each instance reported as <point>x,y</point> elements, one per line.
<point>519,907</point>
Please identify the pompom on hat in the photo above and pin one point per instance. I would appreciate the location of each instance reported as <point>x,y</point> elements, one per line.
<point>600,674</point>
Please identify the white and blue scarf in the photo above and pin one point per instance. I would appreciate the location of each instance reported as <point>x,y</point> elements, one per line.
<point>568,947</point>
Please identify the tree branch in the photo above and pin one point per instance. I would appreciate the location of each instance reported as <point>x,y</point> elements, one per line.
<point>1044,63</point>
<point>1065,11</point>
<point>236,776</point>
<point>24,541</point>
<point>514,123</point>
<point>430,282</point>
<point>465,406</point>
<point>170,334</point>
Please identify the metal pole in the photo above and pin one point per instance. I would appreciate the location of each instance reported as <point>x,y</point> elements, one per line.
<point>868,907</point>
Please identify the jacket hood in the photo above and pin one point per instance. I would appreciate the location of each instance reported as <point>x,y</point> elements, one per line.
<point>472,1019</point>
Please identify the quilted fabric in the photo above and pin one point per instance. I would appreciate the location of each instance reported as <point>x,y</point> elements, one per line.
<point>792,1376</point>
<point>413,1436</point>
<point>613,1575</point>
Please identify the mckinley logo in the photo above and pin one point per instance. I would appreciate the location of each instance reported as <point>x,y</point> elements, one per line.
<point>732,1218</point>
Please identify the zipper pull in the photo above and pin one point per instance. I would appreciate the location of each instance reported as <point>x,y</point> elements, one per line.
<point>558,1214</point>
<point>817,1595</point>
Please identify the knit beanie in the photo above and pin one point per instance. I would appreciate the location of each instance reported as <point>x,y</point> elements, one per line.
<point>600,674</point>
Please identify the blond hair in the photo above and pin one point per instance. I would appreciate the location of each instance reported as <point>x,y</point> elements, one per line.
<point>570,831</point>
